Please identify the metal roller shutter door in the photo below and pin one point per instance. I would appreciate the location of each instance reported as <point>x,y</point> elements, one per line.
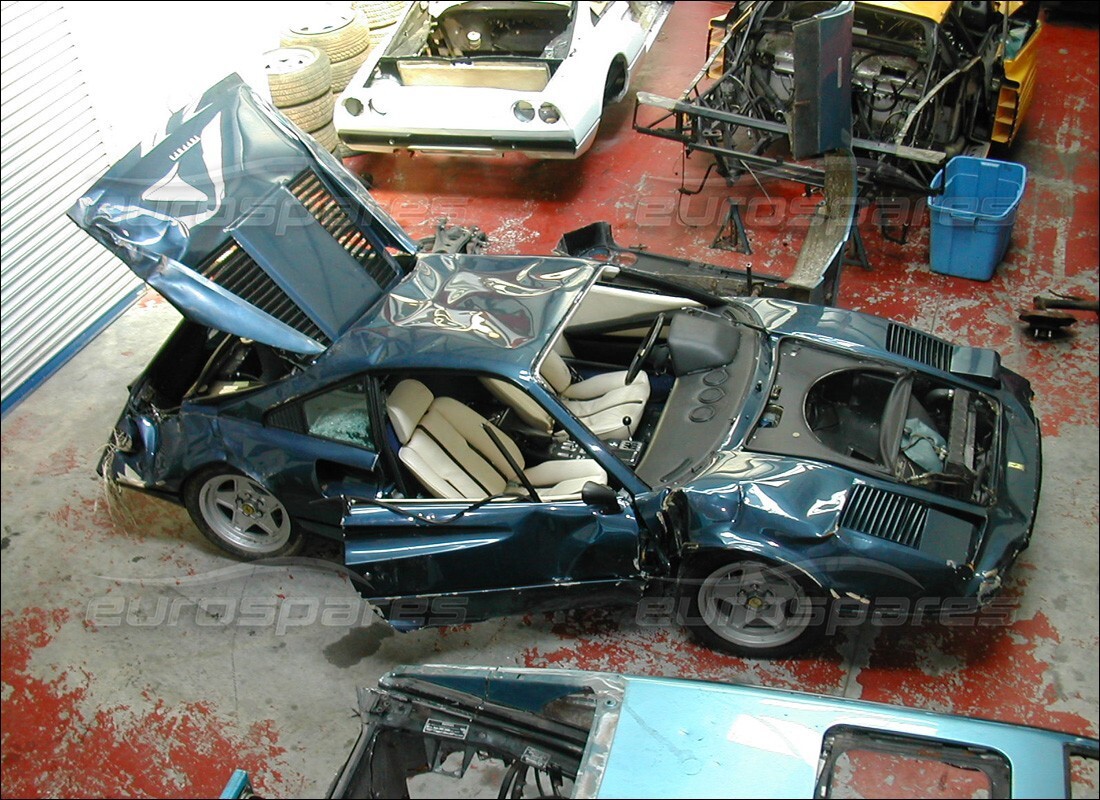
<point>58,288</point>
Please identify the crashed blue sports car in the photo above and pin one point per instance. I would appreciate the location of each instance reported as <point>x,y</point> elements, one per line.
<point>494,434</point>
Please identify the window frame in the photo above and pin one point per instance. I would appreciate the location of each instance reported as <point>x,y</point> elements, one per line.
<point>296,405</point>
<point>842,739</point>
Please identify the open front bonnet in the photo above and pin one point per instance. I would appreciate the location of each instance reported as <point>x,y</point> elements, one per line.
<point>247,225</point>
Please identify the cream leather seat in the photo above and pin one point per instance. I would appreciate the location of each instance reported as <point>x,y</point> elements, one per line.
<point>605,403</point>
<point>445,445</point>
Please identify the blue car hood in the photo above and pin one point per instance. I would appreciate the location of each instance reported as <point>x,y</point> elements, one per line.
<point>247,225</point>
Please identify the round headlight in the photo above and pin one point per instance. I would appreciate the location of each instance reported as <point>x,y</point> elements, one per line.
<point>548,113</point>
<point>524,111</point>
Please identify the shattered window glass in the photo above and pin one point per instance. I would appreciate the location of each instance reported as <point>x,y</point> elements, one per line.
<point>341,414</point>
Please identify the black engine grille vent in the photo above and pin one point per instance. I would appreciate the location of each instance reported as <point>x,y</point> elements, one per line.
<point>288,417</point>
<point>922,347</point>
<point>886,515</point>
<point>235,271</point>
<point>328,212</point>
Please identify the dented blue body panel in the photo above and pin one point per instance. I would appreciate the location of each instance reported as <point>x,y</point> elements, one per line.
<point>228,199</point>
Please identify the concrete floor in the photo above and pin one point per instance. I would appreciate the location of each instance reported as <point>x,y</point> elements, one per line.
<point>133,666</point>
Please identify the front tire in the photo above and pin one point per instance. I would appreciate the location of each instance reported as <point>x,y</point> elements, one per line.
<point>240,516</point>
<point>751,606</point>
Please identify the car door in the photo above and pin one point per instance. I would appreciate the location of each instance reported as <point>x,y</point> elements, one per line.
<point>457,561</point>
<point>317,450</point>
<point>444,561</point>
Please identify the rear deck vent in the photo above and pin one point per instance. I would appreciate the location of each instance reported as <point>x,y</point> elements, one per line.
<point>885,515</point>
<point>235,271</point>
<point>922,347</point>
<point>333,217</point>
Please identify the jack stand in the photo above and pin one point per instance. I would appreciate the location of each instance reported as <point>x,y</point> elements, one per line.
<point>856,253</point>
<point>885,208</point>
<point>732,234</point>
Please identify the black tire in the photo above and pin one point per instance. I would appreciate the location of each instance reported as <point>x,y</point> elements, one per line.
<point>378,14</point>
<point>379,35</point>
<point>750,606</point>
<point>239,515</point>
<point>297,75</point>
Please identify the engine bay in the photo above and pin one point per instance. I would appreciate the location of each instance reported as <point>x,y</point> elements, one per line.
<point>517,28</point>
<point>920,430</point>
<point>486,29</point>
<point>927,83</point>
<point>200,362</point>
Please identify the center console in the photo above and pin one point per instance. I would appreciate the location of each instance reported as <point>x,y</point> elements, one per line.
<point>628,451</point>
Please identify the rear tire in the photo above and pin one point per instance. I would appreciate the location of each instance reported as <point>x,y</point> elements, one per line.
<point>239,515</point>
<point>751,606</point>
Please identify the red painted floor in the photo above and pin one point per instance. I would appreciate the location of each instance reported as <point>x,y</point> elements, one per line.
<point>147,707</point>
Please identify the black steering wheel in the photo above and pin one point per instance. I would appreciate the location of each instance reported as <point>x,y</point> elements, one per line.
<point>645,348</point>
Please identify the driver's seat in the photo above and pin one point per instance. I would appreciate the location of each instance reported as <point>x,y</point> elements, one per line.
<point>446,446</point>
<point>605,403</point>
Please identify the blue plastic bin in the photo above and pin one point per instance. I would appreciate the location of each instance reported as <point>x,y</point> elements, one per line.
<point>972,220</point>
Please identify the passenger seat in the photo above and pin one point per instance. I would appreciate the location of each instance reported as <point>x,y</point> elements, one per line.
<point>445,446</point>
<point>605,403</point>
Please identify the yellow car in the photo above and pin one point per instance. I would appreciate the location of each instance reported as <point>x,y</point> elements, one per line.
<point>929,80</point>
<point>1012,30</point>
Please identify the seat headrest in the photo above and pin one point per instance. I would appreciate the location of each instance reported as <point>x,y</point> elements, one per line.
<point>556,372</point>
<point>407,404</point>
<point>519,401</point>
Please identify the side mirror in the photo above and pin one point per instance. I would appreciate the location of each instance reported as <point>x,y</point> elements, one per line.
<point>600,497</point>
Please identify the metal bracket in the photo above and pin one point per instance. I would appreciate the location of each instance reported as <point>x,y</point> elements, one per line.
<point>455,239</point>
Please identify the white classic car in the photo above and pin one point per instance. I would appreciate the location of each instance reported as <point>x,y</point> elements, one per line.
<point>493,77</point>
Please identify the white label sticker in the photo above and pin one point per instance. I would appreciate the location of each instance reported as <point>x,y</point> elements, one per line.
<point>440,727</point>
<point>535,758</point>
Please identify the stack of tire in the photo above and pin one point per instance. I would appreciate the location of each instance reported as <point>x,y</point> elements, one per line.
<point>340,32</point>
<point>300,80</point>
<point>380,18</point>
<point>318,57</point>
